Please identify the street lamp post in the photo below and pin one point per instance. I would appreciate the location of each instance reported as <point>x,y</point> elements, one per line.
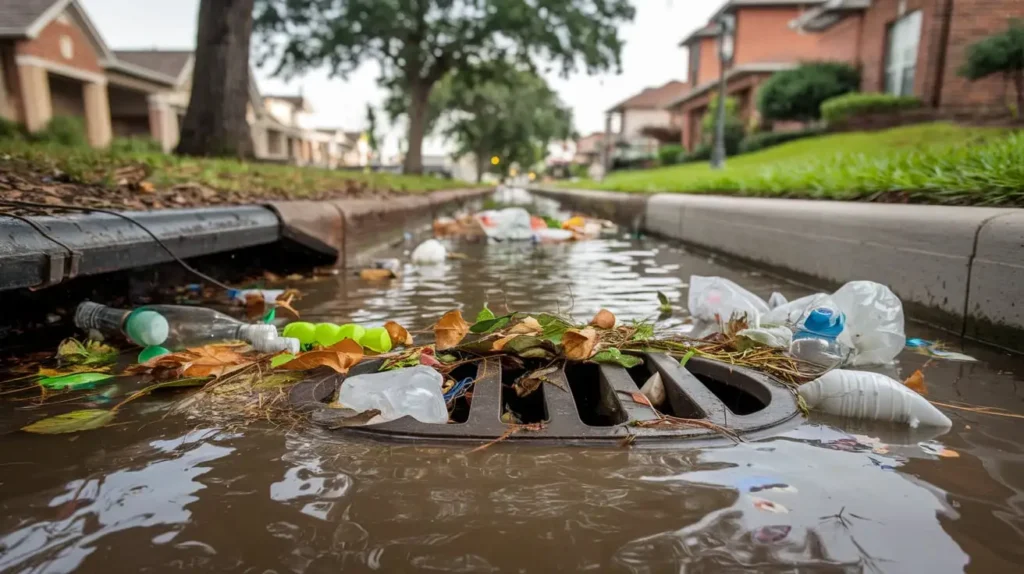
<point>726,47</point>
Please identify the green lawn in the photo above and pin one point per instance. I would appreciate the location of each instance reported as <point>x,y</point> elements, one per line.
<point>928,163</point>
<point>123,169</point>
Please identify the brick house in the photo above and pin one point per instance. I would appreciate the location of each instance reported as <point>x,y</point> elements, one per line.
<point>641,111</point>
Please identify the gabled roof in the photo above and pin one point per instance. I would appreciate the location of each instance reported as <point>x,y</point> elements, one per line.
<point>653,98</point>
<point>734,72</point>
<point>711,28</point>
<point>298,101</point>
<point>27,18</point>
<point>826,14</point>
<point>168,63</point>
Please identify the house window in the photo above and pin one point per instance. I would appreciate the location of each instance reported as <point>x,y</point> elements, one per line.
<point>901,54</point>
<point>694,62</point>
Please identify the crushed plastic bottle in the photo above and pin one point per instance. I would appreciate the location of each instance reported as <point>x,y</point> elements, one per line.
<point>816,339</point>
<point>414,392</point>
<point>870,396</point>
<point>173,327</point>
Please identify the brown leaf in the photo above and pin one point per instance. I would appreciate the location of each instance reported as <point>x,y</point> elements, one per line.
<point>641,399</point>
<point>450,330</point>
<point>255,306</point>
<point>340,357</point>
<point>376,274</point>
<point>147,187</point>
<point>603,320</point>
<point>284,301</point>
<point>579,343</point>
<point>214,361</point>
<point>399,335</point>
<point>500,343</point>
<point>915,382</point>
<point>528,326</point>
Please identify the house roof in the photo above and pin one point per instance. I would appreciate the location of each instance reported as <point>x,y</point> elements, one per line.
<point>826,14</point>
<point>27,18</point>
<point>734,72</point>
<point>298,101</point>
<point>653,98</point>
<point>170,63</point>
<point>711,28</point>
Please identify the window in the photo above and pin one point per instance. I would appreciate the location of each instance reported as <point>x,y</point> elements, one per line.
<point>901,54</point>
<point>694,61</point>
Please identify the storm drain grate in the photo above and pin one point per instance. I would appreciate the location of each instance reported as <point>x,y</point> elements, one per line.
<point>596,405</point>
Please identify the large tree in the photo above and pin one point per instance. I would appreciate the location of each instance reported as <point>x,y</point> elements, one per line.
<point>215,123</point>
<point>417,42</point>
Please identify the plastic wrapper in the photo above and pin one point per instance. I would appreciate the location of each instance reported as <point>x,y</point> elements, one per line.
<point>512,224</point>
<point>874,322</point>
<point>430,252</point>
<point>714,299</point>
<point>414,392</point>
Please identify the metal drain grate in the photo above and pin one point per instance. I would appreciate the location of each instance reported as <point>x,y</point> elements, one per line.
<point>597,408</point>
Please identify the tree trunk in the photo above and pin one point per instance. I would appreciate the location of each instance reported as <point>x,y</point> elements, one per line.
<point>420,93</point>
<point>215,123</point>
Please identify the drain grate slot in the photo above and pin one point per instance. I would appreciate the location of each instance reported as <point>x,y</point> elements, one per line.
<point>738,400</point>
<point>459,412</point>
<point>677,403</point>
<point>594,397</point>
<point>528,409</point>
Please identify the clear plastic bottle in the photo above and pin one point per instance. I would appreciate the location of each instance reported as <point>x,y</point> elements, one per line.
<point>815,340</point>
<point>173,327</point>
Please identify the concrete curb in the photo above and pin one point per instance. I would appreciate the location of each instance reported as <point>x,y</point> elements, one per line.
<point>960,268</point>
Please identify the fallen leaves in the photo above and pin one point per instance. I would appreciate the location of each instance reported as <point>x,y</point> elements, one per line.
<point>399,335</point>
<point>73,352</point>
<point>579,343</point>
<point>530,382</point>
<point>614,356</point>
<point>339,357</point>
<point>528,326</point>
<point>85,419</point>
<point>376,274</point>
<point>74,382</point>
<point>603,320</point>
<point>915,382</point>
<point>209,361</point>
<point>450,330</point>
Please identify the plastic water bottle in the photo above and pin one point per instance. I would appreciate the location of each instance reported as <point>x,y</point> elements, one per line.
<point>173,327</point>
<point>815,340</point>
<point>414,392</point>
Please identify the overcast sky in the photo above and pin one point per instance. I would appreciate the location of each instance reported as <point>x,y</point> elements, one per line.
<point>651,57</point>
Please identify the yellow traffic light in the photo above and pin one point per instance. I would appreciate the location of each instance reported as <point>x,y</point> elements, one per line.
<point>495,160</point>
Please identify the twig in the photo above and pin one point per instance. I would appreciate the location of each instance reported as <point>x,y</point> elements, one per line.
<point>511,431</point>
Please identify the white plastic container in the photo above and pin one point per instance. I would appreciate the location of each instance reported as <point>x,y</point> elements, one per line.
<point>870,396</point>
<point>430,252</point>
<point>414,392</point>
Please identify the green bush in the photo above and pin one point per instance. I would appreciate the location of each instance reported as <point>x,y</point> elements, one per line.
<point>1001,53</point>
<point>797,94</point>
<point>10,130</point>
<point>134,145</point>
<point>755,142</point>
<point>734,128</point>
<point>63,130</point>
<point>700,153</point>
<point>670,154</point>
<point>842,108</point>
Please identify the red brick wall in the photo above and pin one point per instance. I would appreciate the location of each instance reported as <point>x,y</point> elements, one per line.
<point>764,35</point>
<point>47,47</point>
<point>973,20</point>
<point>873,42</point>
<point>709,62</point>
<point>841,42</point>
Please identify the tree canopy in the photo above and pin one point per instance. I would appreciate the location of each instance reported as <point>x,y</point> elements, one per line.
<point>417,42</point>
<point>1001,53</point>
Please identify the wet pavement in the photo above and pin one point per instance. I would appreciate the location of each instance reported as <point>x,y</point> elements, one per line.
<point>162,493</point>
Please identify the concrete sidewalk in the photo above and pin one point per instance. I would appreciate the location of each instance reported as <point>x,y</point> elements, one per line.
<point>960,268</point>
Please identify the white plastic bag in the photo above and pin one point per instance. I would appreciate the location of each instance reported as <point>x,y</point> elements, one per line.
<point>430,252</point>
<point>775,337</point>
<point>714,299</point>
<point>511,224</point>
<point>414,392</point>
<point>864,395</point>
<point>874,322</point>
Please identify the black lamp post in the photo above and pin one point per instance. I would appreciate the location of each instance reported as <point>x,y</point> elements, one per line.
<point>726,49</point>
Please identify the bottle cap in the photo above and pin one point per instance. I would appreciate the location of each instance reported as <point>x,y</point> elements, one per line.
<point>276,345</point>
<point>147,328</point>
<point>254,333</point>
<point>824,322</point>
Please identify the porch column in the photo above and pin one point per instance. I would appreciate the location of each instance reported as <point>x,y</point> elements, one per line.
<point>163,123</point>
<point>606,143</point>
<point>97,114</point>
<point>35,97</point>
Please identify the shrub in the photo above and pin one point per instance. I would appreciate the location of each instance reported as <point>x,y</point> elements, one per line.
<point>700,153</point>
<point>135,145</point>
<point>842,108</point>
<point>9,130</point>
<point>999,53</point>
<point>734,128</point>
<point>63,130</point>
<point>755,142</point>
<point>797,94</point>
<point>670,154</point>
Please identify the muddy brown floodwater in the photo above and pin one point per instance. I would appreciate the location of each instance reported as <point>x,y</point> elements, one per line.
<point>156,493</point>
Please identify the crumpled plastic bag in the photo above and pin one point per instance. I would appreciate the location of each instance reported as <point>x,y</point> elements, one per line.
<point>430,252</point>
<point>791,313</point>
<point>511,224</point>
<point>775,337</point>
<point>874,322</point>
<point>714,299</point>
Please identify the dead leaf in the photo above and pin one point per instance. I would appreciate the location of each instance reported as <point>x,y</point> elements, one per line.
<point>450,330</point>
<point>915,382</point>
<point>640,399</point>
<point>147,187</point>
<point>255,306</point>
<point>340,357</point>
<point>949,453</point>
<point>579,343</point>
<point>530,382</point>
<point>376,274</point>
<point>214,361</point>
<point>528,326</point>
<point>603,320</point>
<point>284,301</point>
<point>399,335</point>
<point>500,343</point>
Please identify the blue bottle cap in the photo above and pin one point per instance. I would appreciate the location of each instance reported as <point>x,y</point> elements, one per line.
<point>822,321</point>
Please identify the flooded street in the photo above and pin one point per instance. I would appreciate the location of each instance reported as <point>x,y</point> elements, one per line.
<point>156,493</point>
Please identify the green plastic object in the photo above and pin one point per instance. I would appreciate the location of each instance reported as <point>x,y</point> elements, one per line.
<point>328,334</point>
<point>147,328</point>
<point>150,353</point>
<point>377,340</point>
<point>353,331</point>
<point>74,382</point>
<point>304,332</point>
